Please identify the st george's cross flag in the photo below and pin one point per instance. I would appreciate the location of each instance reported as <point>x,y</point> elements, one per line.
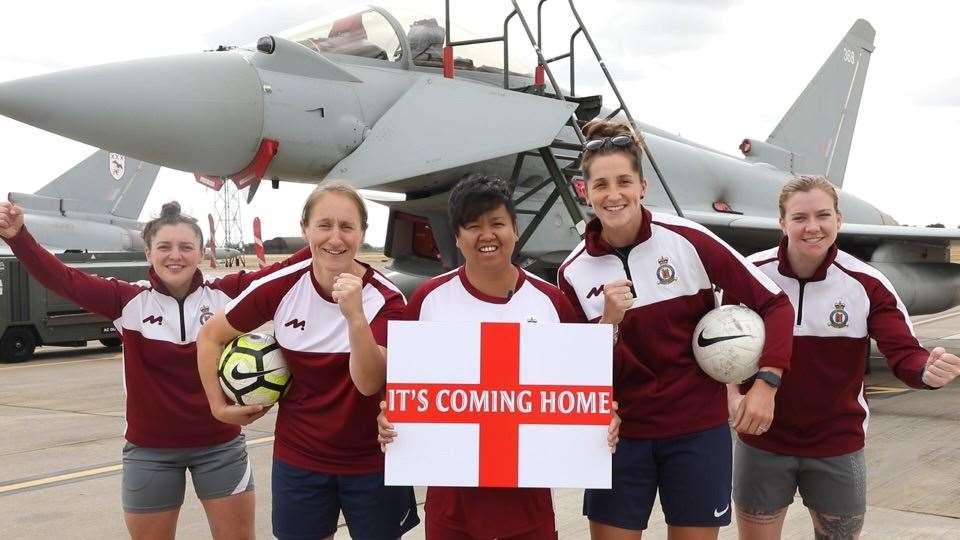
<point>499,404</point>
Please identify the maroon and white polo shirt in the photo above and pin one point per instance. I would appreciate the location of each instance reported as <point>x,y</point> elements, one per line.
<point>489,512</point>
<point>324,423</point>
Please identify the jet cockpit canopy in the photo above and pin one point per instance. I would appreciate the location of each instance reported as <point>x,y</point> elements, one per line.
<point>398,37</point>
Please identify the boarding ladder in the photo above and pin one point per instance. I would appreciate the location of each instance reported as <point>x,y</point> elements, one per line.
<point>560,177</point>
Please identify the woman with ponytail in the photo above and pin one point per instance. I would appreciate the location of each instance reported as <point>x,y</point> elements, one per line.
<point>657,274</point>
<point>170,428</point>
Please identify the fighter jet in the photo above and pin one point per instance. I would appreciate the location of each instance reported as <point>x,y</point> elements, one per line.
<point>385,103</point>
<point>92,207</point>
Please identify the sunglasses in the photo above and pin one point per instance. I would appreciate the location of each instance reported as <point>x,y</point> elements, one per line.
<point>608,143</point>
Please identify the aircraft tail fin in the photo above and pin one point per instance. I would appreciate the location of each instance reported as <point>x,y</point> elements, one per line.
<point>818,128</point>
<point>105,183</point>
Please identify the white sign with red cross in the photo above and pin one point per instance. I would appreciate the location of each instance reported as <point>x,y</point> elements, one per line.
<point>499,404</point>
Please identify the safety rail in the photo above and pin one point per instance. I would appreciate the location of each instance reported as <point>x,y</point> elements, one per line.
<point>622,105</point>
<point>560,177</point>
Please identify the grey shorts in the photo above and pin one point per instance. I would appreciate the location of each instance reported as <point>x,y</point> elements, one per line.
<point>764,482</point>
<point>154,479</point>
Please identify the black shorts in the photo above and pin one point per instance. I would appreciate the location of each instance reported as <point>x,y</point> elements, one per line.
<point>307,505</point>
<point>692,473</point>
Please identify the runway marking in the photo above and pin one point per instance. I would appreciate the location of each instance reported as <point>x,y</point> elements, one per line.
<point>100,470</point>
<point>64,363</point>
<point>886,390</point>
<point>937,318</point>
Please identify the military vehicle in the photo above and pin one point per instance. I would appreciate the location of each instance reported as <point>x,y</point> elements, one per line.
<point>32,316</point>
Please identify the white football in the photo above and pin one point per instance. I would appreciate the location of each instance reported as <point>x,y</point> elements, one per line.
<point>252,370</point>
<point>727,343</point>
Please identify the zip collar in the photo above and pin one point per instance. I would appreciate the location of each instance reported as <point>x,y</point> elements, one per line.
<point>785,269</point>
<point>597,246</point>
<point>159,286</point>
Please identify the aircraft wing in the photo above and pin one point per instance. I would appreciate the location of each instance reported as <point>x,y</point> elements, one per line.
<point>864,234</point>
<point>440,124</point>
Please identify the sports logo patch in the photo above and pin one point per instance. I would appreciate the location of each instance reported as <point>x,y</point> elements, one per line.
<point>297,323</point>
<point>595,291</point>
<point>839,317</point>
<point>666,274</point>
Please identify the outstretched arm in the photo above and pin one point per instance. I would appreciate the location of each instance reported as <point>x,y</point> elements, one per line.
<point>94,293</point>
<point>234,284</point>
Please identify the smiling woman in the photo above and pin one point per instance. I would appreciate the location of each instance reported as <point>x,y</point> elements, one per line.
<point>657,275</point>
<point>330,316</point>
<point>169,426</point>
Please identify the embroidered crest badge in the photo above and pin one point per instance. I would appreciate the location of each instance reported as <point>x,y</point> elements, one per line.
<point>205,314</point>
<point>839,317</point>
<point>666,274</point>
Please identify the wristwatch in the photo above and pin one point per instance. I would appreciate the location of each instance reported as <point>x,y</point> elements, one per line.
<point>769,377</point>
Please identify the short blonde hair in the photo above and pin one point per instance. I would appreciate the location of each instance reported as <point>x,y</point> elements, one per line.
<point>335,186</point>
<point>806,183</point>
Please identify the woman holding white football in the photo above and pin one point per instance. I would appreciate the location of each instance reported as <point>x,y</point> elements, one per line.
<point>330,316</point>
<point>653,277</point>
<point>816,442</point>
<point>169,425</point>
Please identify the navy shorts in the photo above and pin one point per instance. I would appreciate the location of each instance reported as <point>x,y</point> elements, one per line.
<point>307,505</point>
<point>692,472</point>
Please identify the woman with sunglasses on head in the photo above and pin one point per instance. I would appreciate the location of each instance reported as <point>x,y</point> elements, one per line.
<point>487,288</point>
<point>653,277</point>
<point>169,425</point>
<point>816,442</point>
<point>330,316</point>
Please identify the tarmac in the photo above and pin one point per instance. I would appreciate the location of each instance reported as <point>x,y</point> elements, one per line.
<point>61,427</point>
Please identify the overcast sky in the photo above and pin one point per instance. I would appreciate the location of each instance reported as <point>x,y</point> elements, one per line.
<point>714,71</point>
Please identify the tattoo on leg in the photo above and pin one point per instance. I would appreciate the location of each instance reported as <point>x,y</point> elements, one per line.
<point>832,527</point>
<point>761,517</point>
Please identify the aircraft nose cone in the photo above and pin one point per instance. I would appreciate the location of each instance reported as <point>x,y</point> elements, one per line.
<point>197,112</point>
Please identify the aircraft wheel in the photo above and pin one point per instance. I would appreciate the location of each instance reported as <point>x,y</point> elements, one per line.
<point>17,345</point>
<point>111,342</point>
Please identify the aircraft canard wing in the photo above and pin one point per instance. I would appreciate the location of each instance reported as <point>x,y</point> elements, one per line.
<point>440,124</point>
<point>865,233</point>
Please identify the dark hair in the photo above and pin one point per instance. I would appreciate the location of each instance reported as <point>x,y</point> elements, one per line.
<point>334,187</point>
<point>170,215</point>
<point>598,129</point>
<point>477,194</point>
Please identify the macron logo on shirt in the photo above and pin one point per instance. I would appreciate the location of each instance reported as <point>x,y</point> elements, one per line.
<point>596,291</point>
<point>152,319</point>
<point>297,323</point>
